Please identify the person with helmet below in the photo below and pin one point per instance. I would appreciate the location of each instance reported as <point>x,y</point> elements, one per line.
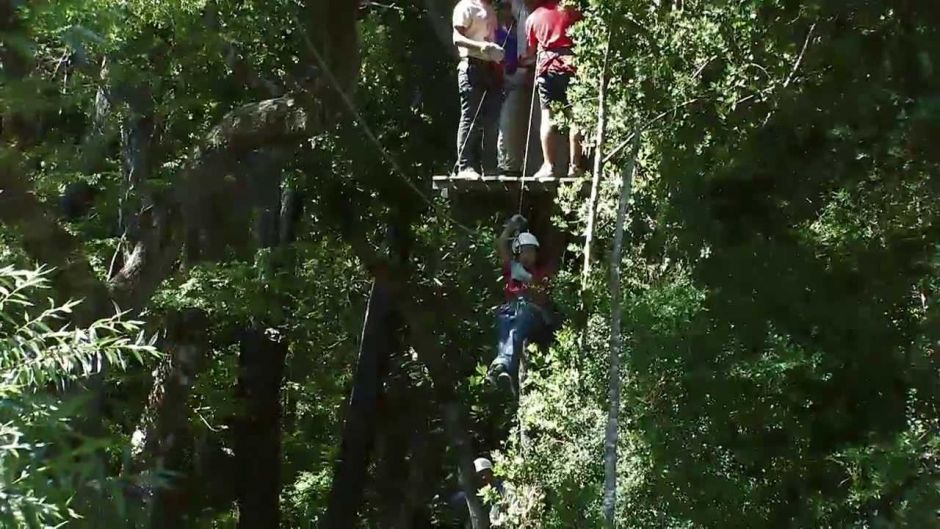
<point>504,492</point>
<point>551,45</point>
<point>526,315</point>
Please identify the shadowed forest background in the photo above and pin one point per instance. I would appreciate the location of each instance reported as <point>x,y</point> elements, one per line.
<point>199,200</point>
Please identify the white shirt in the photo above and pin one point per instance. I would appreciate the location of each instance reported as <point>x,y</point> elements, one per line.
<point>478,18</point>
<point>521,13</point>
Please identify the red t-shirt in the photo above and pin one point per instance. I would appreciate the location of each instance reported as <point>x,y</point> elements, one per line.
<point>514,288</point>
<point>547,28</point>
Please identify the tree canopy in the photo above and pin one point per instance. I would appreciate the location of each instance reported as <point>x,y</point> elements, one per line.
<point>260,314</point>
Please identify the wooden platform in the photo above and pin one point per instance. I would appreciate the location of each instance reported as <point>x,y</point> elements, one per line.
<point>445,183</point>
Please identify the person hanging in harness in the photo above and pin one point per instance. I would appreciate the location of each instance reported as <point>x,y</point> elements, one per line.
<point>551,46</point>
<point>480,86</point>
<point>527,316</point>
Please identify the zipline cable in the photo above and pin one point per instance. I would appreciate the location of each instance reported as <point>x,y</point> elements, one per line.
<point>351,106</point>
<point>528,134</point>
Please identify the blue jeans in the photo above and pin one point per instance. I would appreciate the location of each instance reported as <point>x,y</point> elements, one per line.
<point>516,324</point>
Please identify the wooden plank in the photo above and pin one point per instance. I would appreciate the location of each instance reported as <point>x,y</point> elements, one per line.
<point>500,182</point>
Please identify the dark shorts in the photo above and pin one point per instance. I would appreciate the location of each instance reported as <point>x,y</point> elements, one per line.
<point>553,89</point>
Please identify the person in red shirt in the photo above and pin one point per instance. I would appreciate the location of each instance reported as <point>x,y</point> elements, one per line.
<point>527,313</point>
<point>551,45</point>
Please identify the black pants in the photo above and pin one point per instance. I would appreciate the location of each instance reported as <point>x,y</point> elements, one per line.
<point>553,89</point>
<point>480,88</point>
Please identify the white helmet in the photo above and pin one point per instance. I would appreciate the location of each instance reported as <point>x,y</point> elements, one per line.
<point>482,464</point>
<point>524,239</point>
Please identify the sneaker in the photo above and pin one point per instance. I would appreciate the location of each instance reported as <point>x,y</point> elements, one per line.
<point>510,172</point>
<point>544,173</point>
<point>469,173</point>
<point>505,382</point>
<point>492,378</point>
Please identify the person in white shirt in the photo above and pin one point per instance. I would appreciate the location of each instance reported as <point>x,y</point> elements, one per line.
<point>516,114</point>
<point>480,86</point>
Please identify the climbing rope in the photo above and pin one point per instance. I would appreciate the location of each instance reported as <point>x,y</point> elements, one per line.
<point>528,133</point>
<point>467,136</point>
<point>528,137</point>
<point>520,419</point>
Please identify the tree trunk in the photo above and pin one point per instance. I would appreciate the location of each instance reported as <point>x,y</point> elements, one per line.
<point>261,368</point>
<point>432,355</point>
<point>479,517</point>
<point>611,436</point>
<point>163,438</point>
<point>349,473</point>
<point>397,419</point>
<point>258,430</point>
<point>417,489</point>
<point>598,165</point>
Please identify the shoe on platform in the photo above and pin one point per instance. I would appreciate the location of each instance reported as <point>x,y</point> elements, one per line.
<point>575,172</point>
<point>469,173</point>
<point>544,173</point>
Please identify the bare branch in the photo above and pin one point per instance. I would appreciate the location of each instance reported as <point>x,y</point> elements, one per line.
<point>614,153</point>
<point>701,68</point>
<point>799,60</point>
<point>599,161</point>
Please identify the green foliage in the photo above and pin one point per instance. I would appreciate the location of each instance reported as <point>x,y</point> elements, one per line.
<point>43,463</point>
<point>780,278</point>
<point>782,264</point>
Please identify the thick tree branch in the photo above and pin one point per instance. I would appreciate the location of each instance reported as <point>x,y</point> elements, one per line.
<point>154,255</point>
<point>162,437</point>
<point>153,258</point>
<point>255,125</point>
<point>360,424</point>
<point>611,434</point>
<point>47,242</point>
